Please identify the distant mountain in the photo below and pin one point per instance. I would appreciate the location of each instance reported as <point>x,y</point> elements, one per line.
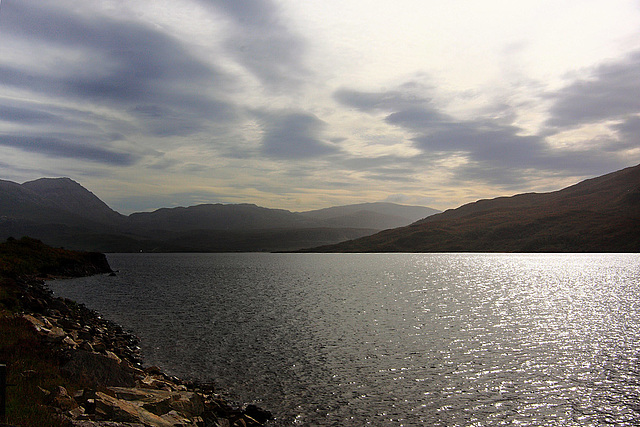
<point>219,217</point>
<point>66,194</point>
<point>49,200</point>
<point>61,212</point>
<point>597,215</point>
<point>371,215</point>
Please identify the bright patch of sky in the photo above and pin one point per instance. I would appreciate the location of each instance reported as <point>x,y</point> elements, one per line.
<point>302,105</point>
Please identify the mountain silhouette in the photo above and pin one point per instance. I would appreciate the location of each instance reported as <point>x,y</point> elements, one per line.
<point>61,212</point>
<point>597,215</point>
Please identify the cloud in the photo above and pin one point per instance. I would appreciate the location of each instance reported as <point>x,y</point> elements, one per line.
<point>628,133</point>
<point>62,148</point>
<point>501,154</point>
<point>20,114</point>
<point>262,43</point>
<point>294,135</point>
<point>379,101</point>
<point>115,63</point>
<point>417,118</point>
<point>494,150</point>
<point>612,92</point>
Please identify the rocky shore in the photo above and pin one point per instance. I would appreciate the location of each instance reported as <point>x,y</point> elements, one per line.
<point>111,386</point>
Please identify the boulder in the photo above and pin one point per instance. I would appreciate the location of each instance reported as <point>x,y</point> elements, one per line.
<point>121,410</point>
<point>99,369</point>
<point>160,402</point>
<point>258,414</point>
<point>61,399</point>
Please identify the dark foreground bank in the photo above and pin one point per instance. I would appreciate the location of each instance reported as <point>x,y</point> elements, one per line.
<point>69,367</point>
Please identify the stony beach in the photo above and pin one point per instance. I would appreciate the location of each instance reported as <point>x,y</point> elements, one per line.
<point>117,389</point>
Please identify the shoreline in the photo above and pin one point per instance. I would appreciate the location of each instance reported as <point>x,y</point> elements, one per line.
<point>108,357</point>
<point>80,369</point>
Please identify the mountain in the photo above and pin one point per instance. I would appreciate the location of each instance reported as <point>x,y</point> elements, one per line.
<point>370,215</point>
<point>58,200</point>
<point>597,215</point>
<point>219,217</point>
<point>67,195</point>
<point>61,212</point>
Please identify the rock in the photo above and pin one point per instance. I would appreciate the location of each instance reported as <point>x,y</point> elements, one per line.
<point>99,346</point>
<point>85,334</point>
<point>37,323</point>
<point>68,324</point>
<point>86,346</point>
<point>60,398</point>
<point>153,382</point>
<point>258,414</point>
<point>56,334</point>
<point>121,410</point>
<point>76,412</point>
<point>153,370</point>
<point>112,355</point>
<point>37,305</point>
<point>46,393</point>
<point>99,369</point>
<point>160,402</point>
<point>176,419</point>
<point>84,423</point>
<point>69,342</point>
<point>187,403</point>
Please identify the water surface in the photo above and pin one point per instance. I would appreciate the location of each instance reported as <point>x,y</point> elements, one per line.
<point>391,339</point>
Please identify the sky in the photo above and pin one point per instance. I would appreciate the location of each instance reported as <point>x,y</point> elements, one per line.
<point>308,104</point>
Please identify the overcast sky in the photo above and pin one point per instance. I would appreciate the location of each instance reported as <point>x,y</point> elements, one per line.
<point>309,104</point>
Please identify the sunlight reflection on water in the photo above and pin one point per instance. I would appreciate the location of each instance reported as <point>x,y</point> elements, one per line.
<point>391,339</point>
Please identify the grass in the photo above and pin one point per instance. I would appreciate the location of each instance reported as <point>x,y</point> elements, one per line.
<point>33,367</point>
<point>29,256</point>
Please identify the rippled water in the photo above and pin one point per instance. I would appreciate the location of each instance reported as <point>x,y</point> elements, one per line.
<point>391,339</point>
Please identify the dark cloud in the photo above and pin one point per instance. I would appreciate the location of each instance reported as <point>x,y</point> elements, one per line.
<point>262,42</point>
<point>501,154</point>
<point>63,148</point>
<point>32,115</point>
<point>19,114</point>
<point>495,150</point>
<point>483,141</point>
<point>417,118</point>
<point>294,135</point>
<point>126,64</point>
<point>628,134</point>
<point>612,92</point>
<point>379,101</point>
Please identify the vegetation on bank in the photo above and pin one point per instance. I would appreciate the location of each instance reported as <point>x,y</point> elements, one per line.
<point>33,369</point>
<point>31,257</point>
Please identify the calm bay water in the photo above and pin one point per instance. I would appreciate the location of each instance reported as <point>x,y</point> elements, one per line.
<point>390,339</point>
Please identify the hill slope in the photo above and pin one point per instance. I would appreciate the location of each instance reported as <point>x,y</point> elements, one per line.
<point>597,215</point>
<point>67,195</point>
<point>61,212</point>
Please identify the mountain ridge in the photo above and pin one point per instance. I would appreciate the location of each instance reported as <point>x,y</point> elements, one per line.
<point>61,212</point>
<point>600,214</point>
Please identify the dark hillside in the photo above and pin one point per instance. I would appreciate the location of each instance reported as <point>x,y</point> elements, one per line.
<point>62,213</point>
<point>29,256</point>
<point>218,217</point>
<point>67,195</point>
<point>597,215</point>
